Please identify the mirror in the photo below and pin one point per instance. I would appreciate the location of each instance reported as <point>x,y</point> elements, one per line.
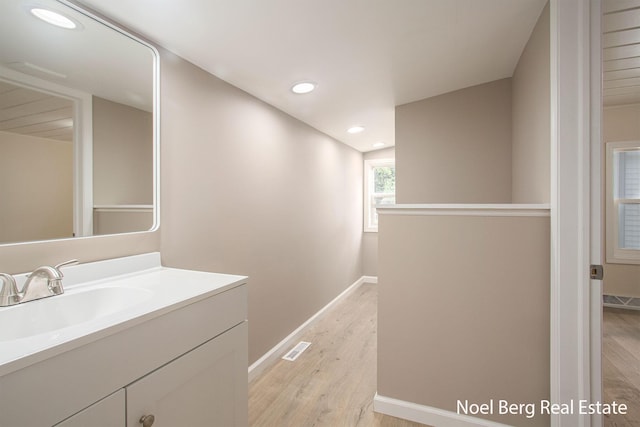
<point>78,125</point>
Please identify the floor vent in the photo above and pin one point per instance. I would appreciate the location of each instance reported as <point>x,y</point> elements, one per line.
<point>296,351</point>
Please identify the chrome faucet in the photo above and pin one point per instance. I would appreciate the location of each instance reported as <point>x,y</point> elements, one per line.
<point>43,282</point>
<point>8,290</point>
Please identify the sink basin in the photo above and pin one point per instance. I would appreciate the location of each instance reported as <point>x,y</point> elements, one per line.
<point>71,308</point>
<point>101,299</point>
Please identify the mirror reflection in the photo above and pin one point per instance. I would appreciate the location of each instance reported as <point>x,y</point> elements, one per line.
<point>77,124</point>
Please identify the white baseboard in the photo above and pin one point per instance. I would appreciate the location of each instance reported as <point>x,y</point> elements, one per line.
<point>279,349</point>
<point>427,415</point>
<point>616,301</point>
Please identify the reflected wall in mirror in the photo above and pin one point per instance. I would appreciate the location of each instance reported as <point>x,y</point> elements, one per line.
<point>78,128</point>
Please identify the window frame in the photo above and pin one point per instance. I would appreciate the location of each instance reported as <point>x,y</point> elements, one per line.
<point>369,165</point>
<point>614,253</point>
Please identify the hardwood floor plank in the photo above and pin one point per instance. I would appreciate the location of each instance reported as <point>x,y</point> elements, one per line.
<point>334,381</point>
<point>621,364</point>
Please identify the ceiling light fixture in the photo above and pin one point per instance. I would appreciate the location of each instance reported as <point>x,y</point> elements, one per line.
<point>54,18</point>
<point>36,70</point>
<point>355,129</point>
<point>303,87</point>
<point>378,144</point>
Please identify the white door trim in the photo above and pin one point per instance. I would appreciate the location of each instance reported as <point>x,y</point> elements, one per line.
<point>596,223</point>
<point>570,206</point>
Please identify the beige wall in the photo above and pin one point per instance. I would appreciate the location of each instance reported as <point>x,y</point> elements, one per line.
<point>620,123</point>
<point>456,147</point>
<point>125,220</point>
<point>463,311</point>
<point>122,154</point>
<point>370,239</point>
<point>247,189</point>
<point>484,144</point>
<point>531,102</point>
<point>33,206</point>
<point>458,316</point>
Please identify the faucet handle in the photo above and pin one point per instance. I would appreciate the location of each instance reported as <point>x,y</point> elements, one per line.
<point>8,290</point>
<point>66,263</point>
<point>55,283</point>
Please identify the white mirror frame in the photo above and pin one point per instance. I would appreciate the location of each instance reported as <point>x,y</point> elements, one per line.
<point>83,137</point>
<point>155,109</point>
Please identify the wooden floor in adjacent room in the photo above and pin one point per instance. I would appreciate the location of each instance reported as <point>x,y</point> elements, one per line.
<point>333,382</point>
<point>621,364</point>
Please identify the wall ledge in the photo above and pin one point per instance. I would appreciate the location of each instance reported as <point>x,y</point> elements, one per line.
<point>543,210</point>
<point>426,414</point>
<point>123,208</point>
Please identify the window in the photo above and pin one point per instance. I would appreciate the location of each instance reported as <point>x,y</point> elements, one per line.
<point>380,189</point>
<point>623,202</point>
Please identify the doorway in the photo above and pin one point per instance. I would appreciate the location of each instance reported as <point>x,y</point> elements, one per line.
<point>619,149</point>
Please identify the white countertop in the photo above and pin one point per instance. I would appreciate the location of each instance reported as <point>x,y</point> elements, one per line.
<point>165,290</point>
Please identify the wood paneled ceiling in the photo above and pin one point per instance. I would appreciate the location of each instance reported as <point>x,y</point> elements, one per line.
<point>34,113</point>
<point>621,52</point>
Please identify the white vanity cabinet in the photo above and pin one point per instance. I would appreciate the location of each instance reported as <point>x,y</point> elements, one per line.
<point>108,412</point>
<point>205,387</point>
<point>181,356</point>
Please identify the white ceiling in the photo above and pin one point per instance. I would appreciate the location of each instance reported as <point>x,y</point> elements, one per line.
<point>367,56</point>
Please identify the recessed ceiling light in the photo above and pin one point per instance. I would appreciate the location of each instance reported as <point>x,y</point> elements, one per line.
<point>378,144</point>
<point>54,18</point>
<point>303,87</point>
<point>355,129</point>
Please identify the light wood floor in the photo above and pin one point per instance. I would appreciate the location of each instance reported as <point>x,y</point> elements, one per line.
<point>621,364</point>
<point>333,382</point>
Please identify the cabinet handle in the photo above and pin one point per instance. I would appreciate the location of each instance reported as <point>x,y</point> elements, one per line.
<point>147,420</point>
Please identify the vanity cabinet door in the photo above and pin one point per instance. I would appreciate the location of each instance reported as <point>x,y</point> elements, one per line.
<point>108,412</point>
<point>205,387</point>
